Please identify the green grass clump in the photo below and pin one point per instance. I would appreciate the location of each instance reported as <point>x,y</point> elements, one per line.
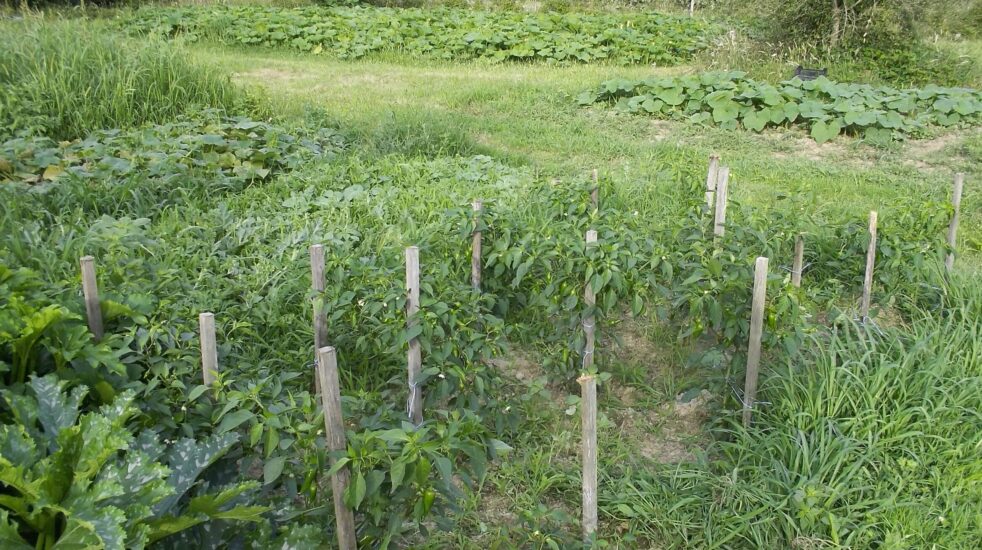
<point>867,439</point>
<point>443,33</point>
<point>62,79</point>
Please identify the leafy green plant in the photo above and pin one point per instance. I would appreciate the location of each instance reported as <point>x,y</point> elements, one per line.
<point>408,473</point>
<point>823,107</point>
<point>85,480</point>
<point>144,169</point>
<point>442,33</point>
<point>39,336</point>
<point>234,148</point>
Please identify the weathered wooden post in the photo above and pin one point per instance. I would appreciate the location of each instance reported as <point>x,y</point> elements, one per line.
<point>799,258</point>
<point>589,322</point>
<point>711,176</point>
<point>90,291</point>
<point>588,404</point>
<point>722,193</point>
<point>756,332</point>
<point>209,348</point>
<point>327,373</point>
<point>415,359</point>
<point>956,202</point>
<point>320,316</point>
<point>868,278</point>
<point>476,247</point>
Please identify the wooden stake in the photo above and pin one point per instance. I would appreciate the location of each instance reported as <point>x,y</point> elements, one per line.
<point>327,373</point>
<point>799,257</point>
<point>588,384</point>
<point>320,316</point>
<point>415,407</point>
<point>476,248</point>
<point>956,202</point>
<point>711,176</point>
<point>595,192</point>
<point>870,260</point>
<point>722,192</point>
<point>588,409</point>
<point>90,290</point>
<point>589,323</point>
<point>756,331</point>
<point>209,348</point>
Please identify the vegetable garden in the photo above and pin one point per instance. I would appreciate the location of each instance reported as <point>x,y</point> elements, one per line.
<point>438,33</point>
<point>224,329</point>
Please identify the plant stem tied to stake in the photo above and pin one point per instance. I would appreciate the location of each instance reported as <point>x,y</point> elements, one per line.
<point>756,331</point>
<point>209,348</point>
<point>868,278</point>
<point>799,258</point>
<point>956,202</point>
<point>90,290</point>
<point>415,405</point>
<point>327,372</point>
<point>711,177</point>
<point>722,191</point>
<point>589,323</point>
<point>320,316</point>
<point>476,248</point>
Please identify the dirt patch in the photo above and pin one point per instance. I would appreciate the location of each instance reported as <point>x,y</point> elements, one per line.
<point>925,154</point>
<point>792,146</point>
<point>672,433</point>
<point>632,345</point>
<point>496,508</point>
<point>889,317</point>
<point>518,365</point>
<point>692,413</point>
<point>661,130</point>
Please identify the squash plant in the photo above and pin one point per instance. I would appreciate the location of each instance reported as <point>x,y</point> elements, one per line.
<point>85,480</point>
<point>825,108</point>
<point>39,336</point>
<point>442,33</point>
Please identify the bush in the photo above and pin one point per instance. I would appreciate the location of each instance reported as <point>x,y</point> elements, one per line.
<point>62,79</point>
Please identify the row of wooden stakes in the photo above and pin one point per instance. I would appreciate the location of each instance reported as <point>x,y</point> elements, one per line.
<point>717,191</point>
<point>327,379</point>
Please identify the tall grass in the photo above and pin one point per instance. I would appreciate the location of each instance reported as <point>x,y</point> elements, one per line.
<point>869,439</point>
<point>65,78</point>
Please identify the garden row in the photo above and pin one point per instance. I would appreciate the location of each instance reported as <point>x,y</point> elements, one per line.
<point>443,33</point>
<point>241,260</point>
<point>824,108</point>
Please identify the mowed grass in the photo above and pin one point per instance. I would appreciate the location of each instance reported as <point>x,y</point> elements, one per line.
<point>525,115</point>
